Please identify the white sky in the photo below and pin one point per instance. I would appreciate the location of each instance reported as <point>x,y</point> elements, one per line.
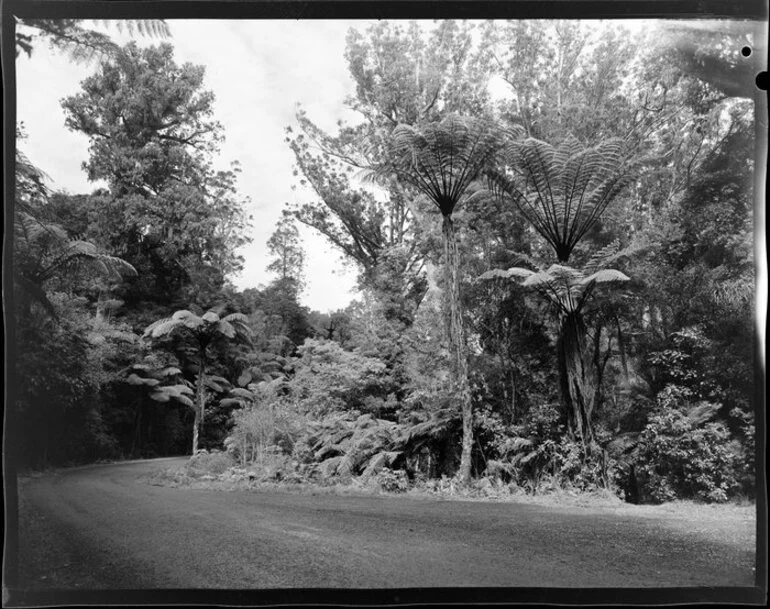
<point>258,71</point>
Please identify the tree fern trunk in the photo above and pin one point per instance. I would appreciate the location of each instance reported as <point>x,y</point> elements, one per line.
<point>457,344</point>
<point>200,399</point>
<point>196,427</point>
<point>136,444</point>
<point>577,379</point>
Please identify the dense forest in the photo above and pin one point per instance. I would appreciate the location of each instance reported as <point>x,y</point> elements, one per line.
<point>556,283</point>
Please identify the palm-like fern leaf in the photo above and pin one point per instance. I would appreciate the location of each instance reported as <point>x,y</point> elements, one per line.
<point>562,191</point>
<point>135,379</point>
<point>78,256</point>
<point>149,28</point>
<point>242,393</point>
<point>442,158</point>
<point>605,276</point>
<point>514,272</point>
<point>162,327</point>
<point>180,393</point>
<point>612,253</point>
<point>82,44</point>
<point>565,287</point>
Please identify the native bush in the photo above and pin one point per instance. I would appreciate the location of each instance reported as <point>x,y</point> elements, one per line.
<point>392,481</point>
<point>328,378</point>
<point>684,454</point>
<point>585,473</point>
<point>213,463</point>
<point>537,456</point>
<point>259,429</point>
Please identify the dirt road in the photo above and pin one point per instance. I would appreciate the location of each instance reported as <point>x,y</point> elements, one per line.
<point>105,527</point>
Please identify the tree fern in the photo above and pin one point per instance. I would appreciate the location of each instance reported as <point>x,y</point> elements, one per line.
<point>568,290</point>
<point>83,45</point>
<point>43,252</point>
<point>441,160</point>
<point>562,191</point>
<point>196,334</point>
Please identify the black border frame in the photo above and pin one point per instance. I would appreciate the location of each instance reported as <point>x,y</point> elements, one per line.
<point>755,10</point>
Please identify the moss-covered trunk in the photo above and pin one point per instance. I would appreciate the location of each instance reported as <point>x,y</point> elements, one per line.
<point>456,339</point>
<point>577,378</point>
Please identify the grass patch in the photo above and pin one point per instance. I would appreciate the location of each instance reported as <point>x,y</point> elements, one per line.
<point>215,471</point>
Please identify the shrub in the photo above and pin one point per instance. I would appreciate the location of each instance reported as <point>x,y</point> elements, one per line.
<point>329,378</point>
<point>680,456</point>
<point>538,456</point>
<point>204,462</point>
<point>392,481</point>
<point>587,474</point>
<point>258,429</point>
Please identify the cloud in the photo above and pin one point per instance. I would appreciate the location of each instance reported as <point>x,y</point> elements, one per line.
<point>259,71</point>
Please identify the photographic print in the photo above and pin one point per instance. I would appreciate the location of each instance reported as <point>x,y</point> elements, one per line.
<point>383,307</point>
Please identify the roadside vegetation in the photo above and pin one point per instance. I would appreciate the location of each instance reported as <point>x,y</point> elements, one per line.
<point>556,282</point>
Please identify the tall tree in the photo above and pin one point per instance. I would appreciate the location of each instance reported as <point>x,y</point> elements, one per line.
<point>404,74</point>
<point>563,76</point>
<point>153,139</point>
<point>441,160</point>
<point>563,191</point>
<point>288,256</point>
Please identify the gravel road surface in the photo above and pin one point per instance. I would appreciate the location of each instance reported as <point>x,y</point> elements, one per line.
<point>105,527</point>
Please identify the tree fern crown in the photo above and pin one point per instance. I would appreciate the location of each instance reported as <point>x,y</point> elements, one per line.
<point>562,191</point>
<point>441,159</point>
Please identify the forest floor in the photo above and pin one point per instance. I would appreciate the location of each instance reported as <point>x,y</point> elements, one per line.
<point>106,527</point>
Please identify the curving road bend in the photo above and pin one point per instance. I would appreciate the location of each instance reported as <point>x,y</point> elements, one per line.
<point>104,527</point>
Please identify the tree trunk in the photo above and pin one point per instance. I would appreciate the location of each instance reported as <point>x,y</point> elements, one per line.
<point>456,341</point>
<point>622,350</point>
<point>577,379</point>
<point>136,444</point>
<point>196,427</point>
<point>200,402</point>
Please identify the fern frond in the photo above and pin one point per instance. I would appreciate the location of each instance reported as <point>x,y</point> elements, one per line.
<point>227,402</point>
<point>210,317</point>
<point>226,329</point>
<point>605,276</point>
<point>562,191</point>
<point>242,393</point>
<point>599,259</point>
<point>168,371</point>
<point>442,158</point>
<point>135,379</point>
<point>236,317</point>
<point>217,383</point>
<point>514,272</point>
<point>161,328</point>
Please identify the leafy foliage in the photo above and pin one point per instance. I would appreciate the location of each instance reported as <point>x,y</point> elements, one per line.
<point>562,191</point>
<point>194,337</point>
<point>442,158</point>
<point>80,44</point>
<point>167,212</point>
<point>682,453</point>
